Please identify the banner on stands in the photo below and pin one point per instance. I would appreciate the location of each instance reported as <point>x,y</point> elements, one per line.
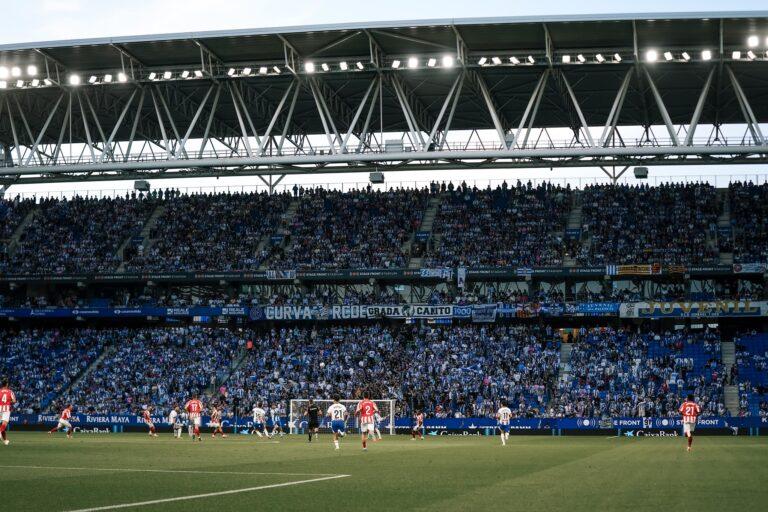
<point>281,274</point>
<point>749,268</point>
<point>696,309</point>
<point>440,273</point>
<point>633,270</point>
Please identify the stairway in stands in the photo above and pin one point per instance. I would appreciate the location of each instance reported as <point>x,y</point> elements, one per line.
<point>76,381</point>
<point>427,221</point>
<point>724,220</point>
<point>564,375</point>
<point>146,230</point>
<point>16,236</point>
<point>730,391</point>
<point>286,219</point>
<point>574,221</point>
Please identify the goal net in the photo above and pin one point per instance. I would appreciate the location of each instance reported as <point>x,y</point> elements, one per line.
<point>298,418</point>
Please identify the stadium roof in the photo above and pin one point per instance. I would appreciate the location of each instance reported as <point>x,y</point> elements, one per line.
<point>580,62</point>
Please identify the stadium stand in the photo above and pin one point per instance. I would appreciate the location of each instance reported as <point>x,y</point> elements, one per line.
<point>752,364</point>
<point>749,211</point>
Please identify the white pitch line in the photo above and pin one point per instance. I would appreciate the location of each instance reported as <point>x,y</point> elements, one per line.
<point>207,495</point>
<point>193,472</point>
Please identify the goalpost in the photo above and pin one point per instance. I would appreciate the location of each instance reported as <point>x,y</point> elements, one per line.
<point>297,420</point>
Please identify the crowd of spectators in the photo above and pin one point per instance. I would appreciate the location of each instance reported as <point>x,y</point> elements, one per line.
<point>752,372</point>
<point>357,229</point>
<point>667,224</point>
<point>506,226</point>
<point>749,211</point>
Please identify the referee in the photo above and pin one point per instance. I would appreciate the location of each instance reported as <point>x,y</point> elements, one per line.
<point>313,414</point>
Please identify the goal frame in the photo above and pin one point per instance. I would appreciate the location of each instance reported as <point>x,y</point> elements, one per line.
<point>297,405</point>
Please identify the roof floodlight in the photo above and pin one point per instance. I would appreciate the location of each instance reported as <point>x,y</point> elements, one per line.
<point>651,56</point>
<point>15,71</point>
<point>581,58</point>
<point>395,64</point>
<point>514,60</point>
<point>92,79</point>
<point>531,60</point>
<point>751,55</point>
<point>668,56</point>
<point>122,77</point>
<point>231,71</point>
<point>19,83</point>
<point>35,82</point>
<point>736,55</point>
<point>616,57</point>
<point>753,41</point>
<point>496,61</point>
<point>360,65</point>
<point>167,75</point>
<point>599,58</point>
<point>32,70</point>
<point>3,84</point>
<point>247,71</point>
<point>198,73</point>
<point>108,78</point>
<point>566,59</point>
<point>152,75</point>
<point>686,56</point>
<point>482,61</point>
<point>343,65</point>
<point>432,62</point>
<point>263,70</point>
<point>47,81</point>
<point>74,79</point>
<point>413,62</point>
<point>706,55</point>
<point>309,67</point>
<point>325,66</point>
<point>3,72</point>
<point>185,74</point>
<point>276,69</point>
<point>447,61</point>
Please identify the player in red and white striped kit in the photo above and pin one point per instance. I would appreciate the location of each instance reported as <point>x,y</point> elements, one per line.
<point>418,426</point>
<point>690,411</point>
<point>7,399</point>
<point>194,408</point>
<point>216,422</point>
<point>147,417</point>
<point>64,422</point>
<point>367,410</point>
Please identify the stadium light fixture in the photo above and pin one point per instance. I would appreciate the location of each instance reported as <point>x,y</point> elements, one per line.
<point>706,55</point>
<point>15,71</point>
<point>360,65</point>
<point>74,80</point>
<point>581,58</point>
<point>276,69</point>
<point>3,84</point>
<point>167,75</point>
<point>432,62</point>
<point>496,61</point>
<point>92,79</point>
<point>19,83</point>
<point>309,67</point>
<point>47,81</point>
<point>736,55</point>
<point>122,77</point>
<point>108,78</point>
<point>686,56</point>
<point>753,41</point>
<point>343,65</point>
<point>35,82</point>
<point>514,60</point>
<point>447,61</point>
<point>395,64</point>
<point>3,72</point>
<point>198,73</point>
<point>531,60</point>
<point>599,58</point>
<point>32,70</point>
<point>152,75</point>
<point>185,74</point>
<point>616,57</point>
<point>482,61</point>
<point>263,70</point>
<point>651,56</point>
<point>231,72</point>
<point>668,56</point>
<point>566,59</point>
<point>325,66</point>
<point>413,62</point>
<point>751,55</point>
<point>247,71</point>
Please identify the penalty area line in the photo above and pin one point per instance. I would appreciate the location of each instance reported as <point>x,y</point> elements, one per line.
<point>180,471</point>
<point>206,495</point>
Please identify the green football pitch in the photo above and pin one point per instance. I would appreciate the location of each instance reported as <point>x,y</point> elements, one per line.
<point>135,472</point>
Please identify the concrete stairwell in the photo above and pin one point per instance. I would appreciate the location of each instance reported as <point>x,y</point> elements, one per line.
<point>96,362</point>
<point>565,362</point>
<point>730,391</point>
<point>427,221</point>
<point>144,234</point>
<point>574,222</point>
<point>16,236</point>
<point>283,229</point>
<point>724,220</point>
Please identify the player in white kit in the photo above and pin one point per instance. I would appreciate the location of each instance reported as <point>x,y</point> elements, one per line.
<point>260,421</point>
<point>376,424</point>
<point>338,414</point>
<point>503,416</point>
<point>174,420</point>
